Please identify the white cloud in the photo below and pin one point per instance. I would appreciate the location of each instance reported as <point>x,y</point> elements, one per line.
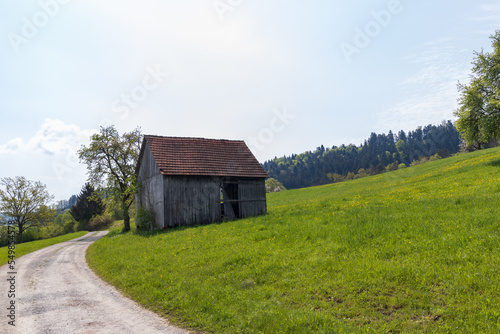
<point>491,7</point>
<point>430,95</point>
<point>491,12</point>
<point>54,137</point>
<point>486,18</point>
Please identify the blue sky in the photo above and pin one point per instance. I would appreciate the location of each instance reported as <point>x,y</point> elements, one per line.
<point>285,76</point>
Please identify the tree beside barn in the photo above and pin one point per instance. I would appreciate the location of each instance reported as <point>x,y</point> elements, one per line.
<point>111,159</point>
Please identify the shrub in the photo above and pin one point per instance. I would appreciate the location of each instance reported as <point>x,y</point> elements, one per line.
<point>4,240</point>
<point>335,177</point>
<point>81,225</point>
<point>55,231</point>
<point>69,226</point>
<point>419,161</point>
<point>273,185</point>
<point>114,209</point>
<point>46,231</point>
<point>64,224</point>
<point>435,157</point>
<point>392,167</point>
<point>100,222</point>
<point>29,235</point>
<point>145,219</point>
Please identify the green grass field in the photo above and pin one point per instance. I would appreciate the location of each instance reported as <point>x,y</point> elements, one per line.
<point>416,250</point>
<point>28,247</point>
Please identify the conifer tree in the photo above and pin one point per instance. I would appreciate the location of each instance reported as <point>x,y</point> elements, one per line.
<point>88,205</point>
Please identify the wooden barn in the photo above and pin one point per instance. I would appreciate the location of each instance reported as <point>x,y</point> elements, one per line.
<point>191,181</point>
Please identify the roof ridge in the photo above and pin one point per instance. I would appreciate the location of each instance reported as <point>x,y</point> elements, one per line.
<point>198,138</point>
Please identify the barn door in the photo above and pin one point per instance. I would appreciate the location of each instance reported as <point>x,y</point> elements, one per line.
<point>230,200</point>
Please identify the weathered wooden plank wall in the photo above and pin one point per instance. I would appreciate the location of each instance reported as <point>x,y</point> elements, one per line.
<point>150,192</point>
<point>191,200</point>
<point>252,197</point>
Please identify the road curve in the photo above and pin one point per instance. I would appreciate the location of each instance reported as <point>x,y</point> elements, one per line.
<point>56,292</point>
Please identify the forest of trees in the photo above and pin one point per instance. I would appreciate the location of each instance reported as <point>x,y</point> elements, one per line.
<point>377,154</point>
<point>65,204</point>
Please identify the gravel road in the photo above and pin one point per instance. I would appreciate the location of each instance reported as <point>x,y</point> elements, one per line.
<point>56,292</point>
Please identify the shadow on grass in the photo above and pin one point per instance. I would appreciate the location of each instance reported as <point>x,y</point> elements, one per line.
<point>170,230</point>
<point>118,229</point>
<point>495,163</point>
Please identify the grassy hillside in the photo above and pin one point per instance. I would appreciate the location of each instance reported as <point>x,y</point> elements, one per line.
<point>416,250</point>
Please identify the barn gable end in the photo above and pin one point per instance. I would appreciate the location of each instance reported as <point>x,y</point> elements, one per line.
<point>150,193</point>
<point>191,181</point>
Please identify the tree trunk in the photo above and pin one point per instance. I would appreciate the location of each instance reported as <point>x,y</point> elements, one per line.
<point>126,217</point>
<point>20,232</point>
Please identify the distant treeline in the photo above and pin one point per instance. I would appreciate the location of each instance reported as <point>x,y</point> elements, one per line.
<point>377,154</point>
<point>63,205</point>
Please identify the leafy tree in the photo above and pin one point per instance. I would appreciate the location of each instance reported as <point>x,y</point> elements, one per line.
<point>88,205</point>
<point>479,104</point>
<point>66,221</point>
<point>25,203</point>
<point>111,160</point>
<point>273,185</point>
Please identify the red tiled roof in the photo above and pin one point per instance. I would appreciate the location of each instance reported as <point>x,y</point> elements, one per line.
<point>200,156</point>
